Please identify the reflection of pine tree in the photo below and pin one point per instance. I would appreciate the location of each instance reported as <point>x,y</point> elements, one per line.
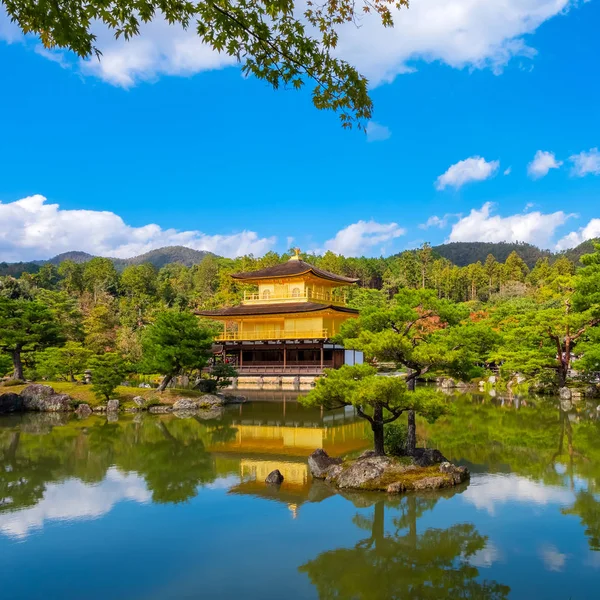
<point>434,564</point>
<point>587,508</point>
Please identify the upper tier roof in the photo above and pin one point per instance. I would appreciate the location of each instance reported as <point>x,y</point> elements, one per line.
<point>293,268</point>
<point>273,309</point>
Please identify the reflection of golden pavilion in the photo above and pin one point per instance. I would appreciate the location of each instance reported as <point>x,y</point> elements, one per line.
<point>285,327</point>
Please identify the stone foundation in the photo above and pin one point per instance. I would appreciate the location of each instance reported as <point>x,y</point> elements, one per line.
<point>296,383</point>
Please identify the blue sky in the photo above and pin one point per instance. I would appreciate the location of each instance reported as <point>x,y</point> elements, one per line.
<point>158,146</point>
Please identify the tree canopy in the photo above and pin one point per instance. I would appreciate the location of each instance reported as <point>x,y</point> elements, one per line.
<point>282,43</point>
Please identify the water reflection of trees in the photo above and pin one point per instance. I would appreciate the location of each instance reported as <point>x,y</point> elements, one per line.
<point>541,441</point>
<point>404,563</point>
<point>170,454</point>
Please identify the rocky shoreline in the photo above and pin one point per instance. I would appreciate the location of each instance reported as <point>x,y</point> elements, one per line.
<point>43,398</point>
<point>427,470</point>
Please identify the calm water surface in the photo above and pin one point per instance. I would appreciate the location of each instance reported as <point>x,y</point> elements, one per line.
<point>165,507</point>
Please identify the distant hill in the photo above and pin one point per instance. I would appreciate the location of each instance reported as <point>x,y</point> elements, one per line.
<point>159,258</point>
<point>576,253</point>
<point>164,256</point>
<point>466,253</point>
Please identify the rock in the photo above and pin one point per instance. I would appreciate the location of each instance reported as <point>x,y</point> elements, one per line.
<point>274,477</point>
<point>139,401</point>
<point>112,406</point>
<point>458,474</point>
<point>319,463</point>
<point>396,488</point>
<point>564,393</point>
<point>431,483</point>
<point>186,404</point>
<point>232,398</point>
<point>83,411</point>
<point>427,457</point>
<point>492,379</point>
<point>145,385</point>
<point>591,391</point>
<point>367,454</point>
<point>43,398</point>
<point>160,409</point>
<point>209,401</point>
<point>99,409</point>
<point>11,403</point>
<point>362,472</point>
<point>447,383</point>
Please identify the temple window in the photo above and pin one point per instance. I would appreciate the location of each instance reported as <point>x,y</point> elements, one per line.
<point>266,295</point>
<point>296,292</point>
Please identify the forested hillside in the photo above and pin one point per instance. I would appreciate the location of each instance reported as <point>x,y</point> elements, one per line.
<point>466,253</point>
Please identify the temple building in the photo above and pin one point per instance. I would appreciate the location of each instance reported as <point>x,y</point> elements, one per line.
<point>286,326</point>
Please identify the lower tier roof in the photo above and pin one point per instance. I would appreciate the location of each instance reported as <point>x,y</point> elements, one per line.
<point>274,309</point>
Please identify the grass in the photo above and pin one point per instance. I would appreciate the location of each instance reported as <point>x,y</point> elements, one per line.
<point>125,394</point>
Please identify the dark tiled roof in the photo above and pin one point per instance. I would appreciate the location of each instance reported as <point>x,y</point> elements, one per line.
<point>273,309</point>
<point>290,269</point>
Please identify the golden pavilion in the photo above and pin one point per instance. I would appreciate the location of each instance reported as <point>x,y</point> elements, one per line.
<point>285,326</point>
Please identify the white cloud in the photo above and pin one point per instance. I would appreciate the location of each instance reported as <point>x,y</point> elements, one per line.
<point>377,132</point>
<point>482,226</point>
<point>485,557</point>
<point>31,228</point>
<point>507,171</point>
<point>589,232</point>
<point>489,491</point>
<point>553,559</point>
<point>435,221</point>
<point>475,34</point>
<point>359,238</point>
<point>474,168</point>
<point>542,162</point>
<point>73,499</point>
<point>586,163</point>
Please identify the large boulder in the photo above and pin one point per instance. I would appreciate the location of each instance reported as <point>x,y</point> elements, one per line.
<point>186,404</point>
<point>360,473</point>
<point>43,398</point>
<point>210,401</point>
<point>10,403</point>
<point>83,411</point>
<point>233,398</point>
<point>427,457</point>
<point>112,406</point>
<point>458,474</point>
<point>320,463</point>
<point>139,401</point>
<point>274,477</point>
<point>565,393</point>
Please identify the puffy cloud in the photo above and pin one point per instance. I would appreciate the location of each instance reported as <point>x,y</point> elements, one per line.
<point>589,232</point>
<point>31,228</point>
<point>487,492</point>
<point>435,221</point>
<point>73,499</point>
<point>586,163</point>
<point>475,168</point>
<point>360,238</point>
<point>542,162</point>
<point>553,559</point>
<point>482,226</point>
<point>377,132</point>
<point>459,33</point>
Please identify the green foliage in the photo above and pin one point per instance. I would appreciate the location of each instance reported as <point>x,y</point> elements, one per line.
<point>108,371</point>
<point>394,438</point>
<point>174,343</point>
<point>63,363</point>
<point>219,376</point>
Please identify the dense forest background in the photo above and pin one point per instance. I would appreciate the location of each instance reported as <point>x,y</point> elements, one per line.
<point>104,305</point>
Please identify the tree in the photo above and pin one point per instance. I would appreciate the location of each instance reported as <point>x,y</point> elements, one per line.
<point>63,363</point>
<point>100,327</point>
<point>379,400</point>
<point>219,376</point>
<point>100,277</point>
<point>402,334</point>
<point>25,326</point>
<point>283,44</point>
<point>108,371</point>
<point>173,343</point>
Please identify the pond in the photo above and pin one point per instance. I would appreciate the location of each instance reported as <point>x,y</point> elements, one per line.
<point>158,507</point>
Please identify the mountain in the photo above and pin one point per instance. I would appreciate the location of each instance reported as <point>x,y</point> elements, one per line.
<point>466,253</point>
<point>159,258</point>
<point>576,253</point>
<point>164,256</point>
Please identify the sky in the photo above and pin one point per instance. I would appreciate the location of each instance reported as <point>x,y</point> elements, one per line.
<point>486,128</point>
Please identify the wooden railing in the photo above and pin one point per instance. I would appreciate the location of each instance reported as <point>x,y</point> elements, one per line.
<point>273,334</point>
<point>308,296</point>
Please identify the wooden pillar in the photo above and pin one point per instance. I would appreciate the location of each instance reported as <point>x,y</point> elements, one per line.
<point>284,355</point>
<point>322,353</point>
<point>241,359</point>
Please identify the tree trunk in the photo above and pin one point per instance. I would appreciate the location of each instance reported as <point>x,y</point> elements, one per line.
<point>411,434</point>
<point>377,427</point>
<point>18,364</point>
<point>165,382</point>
